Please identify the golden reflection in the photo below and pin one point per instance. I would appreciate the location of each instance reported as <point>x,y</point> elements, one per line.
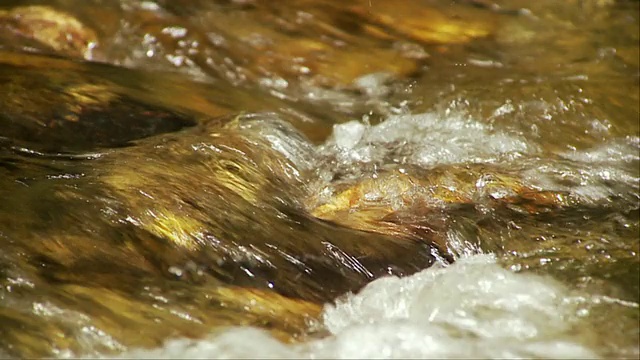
<point>138,206</point>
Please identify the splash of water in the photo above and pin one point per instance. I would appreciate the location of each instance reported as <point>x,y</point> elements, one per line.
<point>473,308</point>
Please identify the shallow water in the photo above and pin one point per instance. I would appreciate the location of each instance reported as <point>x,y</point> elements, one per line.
<point>473,308</point>
<point>327,181</point>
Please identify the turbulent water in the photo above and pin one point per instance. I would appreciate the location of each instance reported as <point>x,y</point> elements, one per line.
<point>472,309</point>
<point>482,305</point>
<point>320,179</point>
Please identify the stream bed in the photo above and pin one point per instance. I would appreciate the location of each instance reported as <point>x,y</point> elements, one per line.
<point>320,179</point>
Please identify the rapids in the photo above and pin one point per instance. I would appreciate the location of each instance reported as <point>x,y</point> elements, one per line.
<point>476,307</point>
<point>320,179</point>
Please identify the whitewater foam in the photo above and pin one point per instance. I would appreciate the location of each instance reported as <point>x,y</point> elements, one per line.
<point>473,308</point>
<point>592,175</point>
<point>426,139</point>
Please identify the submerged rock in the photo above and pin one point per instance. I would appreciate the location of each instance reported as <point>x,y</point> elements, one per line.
<point>46,29</point>
<point>284,47</point>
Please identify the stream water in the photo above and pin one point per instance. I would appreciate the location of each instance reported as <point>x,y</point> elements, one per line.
<point>320,179</point>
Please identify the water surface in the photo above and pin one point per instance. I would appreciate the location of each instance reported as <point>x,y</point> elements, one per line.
<point>327,179</point>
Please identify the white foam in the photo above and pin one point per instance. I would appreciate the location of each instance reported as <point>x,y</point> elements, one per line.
<point>473,308</point>
<point>346,136</point>
<point>426,139</point>
<point>440,139</point>
<point>593,175</point>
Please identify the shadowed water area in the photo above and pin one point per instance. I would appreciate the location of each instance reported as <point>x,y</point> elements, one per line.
<point>320,178</point>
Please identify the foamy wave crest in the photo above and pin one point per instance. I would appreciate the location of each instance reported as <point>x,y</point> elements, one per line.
<point>593,175</point>
<point>472,309</point>
<point>425,139</point>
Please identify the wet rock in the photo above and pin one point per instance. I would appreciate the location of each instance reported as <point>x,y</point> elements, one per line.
<point>409,201</point>
<point>413,20</point>
<point>46,29</point>
<point>58,105</point>
<point>278,45</point>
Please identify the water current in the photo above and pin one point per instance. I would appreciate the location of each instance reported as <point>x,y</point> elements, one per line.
<point>320,179</point>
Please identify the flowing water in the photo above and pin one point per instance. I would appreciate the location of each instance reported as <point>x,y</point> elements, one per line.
<point>320,179</point>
